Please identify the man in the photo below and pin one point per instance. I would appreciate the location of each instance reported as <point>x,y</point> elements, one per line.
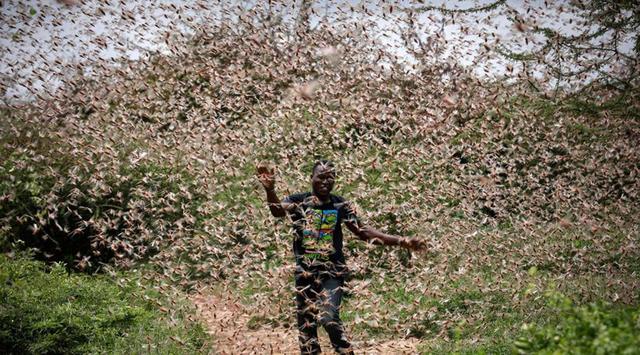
<point>320,264</point>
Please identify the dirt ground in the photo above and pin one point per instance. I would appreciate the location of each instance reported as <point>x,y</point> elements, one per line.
<point>227,321</point>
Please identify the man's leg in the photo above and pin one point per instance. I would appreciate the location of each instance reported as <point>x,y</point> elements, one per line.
<point>306,291</point>
<point>329,308</point>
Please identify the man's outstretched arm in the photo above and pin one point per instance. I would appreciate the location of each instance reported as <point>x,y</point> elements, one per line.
<point>374,236</point>
<point>268,181</point>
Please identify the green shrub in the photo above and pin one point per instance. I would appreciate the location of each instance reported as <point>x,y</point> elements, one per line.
<point>73,206</point>
<point>589,329</point>
<point>48,311</point>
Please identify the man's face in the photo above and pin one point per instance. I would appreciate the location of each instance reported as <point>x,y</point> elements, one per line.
<point>322,180</point>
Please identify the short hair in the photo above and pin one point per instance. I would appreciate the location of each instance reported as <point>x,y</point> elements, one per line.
<point>324,163</point>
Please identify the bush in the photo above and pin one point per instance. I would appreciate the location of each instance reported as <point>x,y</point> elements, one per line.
<point>84,210</point>
<point>589,329</point>
<point>48,311</point>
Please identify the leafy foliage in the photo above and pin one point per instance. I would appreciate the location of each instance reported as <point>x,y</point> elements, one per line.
<point>48,311</point>
<point>589,329</point>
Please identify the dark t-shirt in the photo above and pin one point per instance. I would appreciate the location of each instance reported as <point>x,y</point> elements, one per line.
<point>318,230</point>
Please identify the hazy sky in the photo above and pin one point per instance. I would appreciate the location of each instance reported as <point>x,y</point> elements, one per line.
<point>43,41</point>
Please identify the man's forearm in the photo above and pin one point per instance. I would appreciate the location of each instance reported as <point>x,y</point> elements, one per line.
<point>274,203</point>
<point>376,237</point>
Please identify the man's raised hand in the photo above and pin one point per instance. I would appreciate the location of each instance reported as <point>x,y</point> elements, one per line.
<point>266,176</point>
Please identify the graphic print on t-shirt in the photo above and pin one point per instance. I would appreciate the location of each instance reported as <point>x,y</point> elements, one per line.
<point>318,232</point>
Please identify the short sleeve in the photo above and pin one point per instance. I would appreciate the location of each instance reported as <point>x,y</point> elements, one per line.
<point>349,212</point>
<point>294,202</point>
<point>295,198</point>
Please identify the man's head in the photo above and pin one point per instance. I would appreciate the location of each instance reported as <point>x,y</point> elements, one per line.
<point>323,177</point>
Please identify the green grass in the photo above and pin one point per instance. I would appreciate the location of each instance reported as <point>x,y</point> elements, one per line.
<point>434,319</point>
<point>46,310</point>
<point>469,320</point>
<point>596,328</point>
